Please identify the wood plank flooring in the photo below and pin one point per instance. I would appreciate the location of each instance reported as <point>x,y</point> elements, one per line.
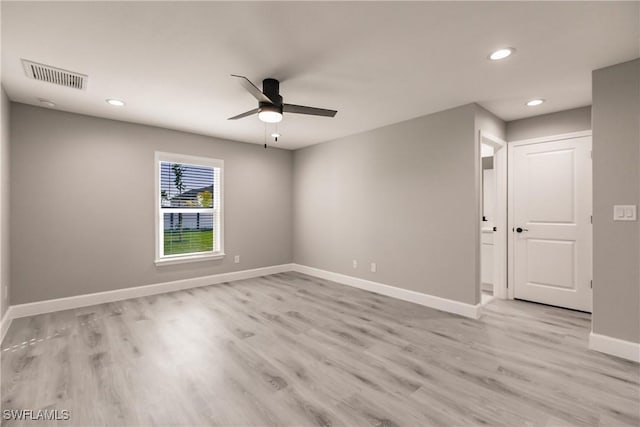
<point>293,350</point>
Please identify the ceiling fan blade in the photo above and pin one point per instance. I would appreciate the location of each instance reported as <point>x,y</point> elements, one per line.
<point>248,113</point>
<point>253,90</point>
<point>301,109</point>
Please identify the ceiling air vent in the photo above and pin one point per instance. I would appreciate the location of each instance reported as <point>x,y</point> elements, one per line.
<point>47,73</point>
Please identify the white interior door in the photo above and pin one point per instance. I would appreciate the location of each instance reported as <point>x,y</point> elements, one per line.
<point>552,229</point>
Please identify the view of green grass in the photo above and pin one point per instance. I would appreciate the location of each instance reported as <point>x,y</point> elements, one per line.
<point>192,241</point>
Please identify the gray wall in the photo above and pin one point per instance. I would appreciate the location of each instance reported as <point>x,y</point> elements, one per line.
<point>558,123</point>
<point>616,180</point>
<point>82,204</point>
<point>4,201</point>
<point>403,196</point>
<point>489,124</point>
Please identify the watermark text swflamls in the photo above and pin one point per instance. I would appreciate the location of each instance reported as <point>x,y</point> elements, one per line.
<point>36,415</point>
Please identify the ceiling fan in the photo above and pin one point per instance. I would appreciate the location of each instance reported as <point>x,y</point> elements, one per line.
<point>270,105</point>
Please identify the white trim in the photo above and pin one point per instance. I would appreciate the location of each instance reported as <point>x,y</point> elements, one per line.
<point>511,281</point>
<point>500,221</point>
<point>486,299</point>
<point>5,323</point>
<point>164,156</point>
<point>493,139</point>
<point>180,259</point>
<point>615,347</point>
<point>48,306</point>
<point>550,138</point>
<point>190,210</point>
<point>443,304</point>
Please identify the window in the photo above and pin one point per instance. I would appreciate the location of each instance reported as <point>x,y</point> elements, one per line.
<point>188,208</point>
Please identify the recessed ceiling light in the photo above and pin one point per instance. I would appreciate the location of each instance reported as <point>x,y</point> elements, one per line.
<point>501,53</point>
<point>115,102</point>
<point>534,102</point>
<point>275,135</point>
<point>46,103</point>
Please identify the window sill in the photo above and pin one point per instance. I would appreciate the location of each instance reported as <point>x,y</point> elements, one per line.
<point>189,258</point>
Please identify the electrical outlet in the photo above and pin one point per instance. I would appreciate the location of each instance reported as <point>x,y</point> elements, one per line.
<point>374,267</point>
<point>236,259</point>
<point>355,263</point>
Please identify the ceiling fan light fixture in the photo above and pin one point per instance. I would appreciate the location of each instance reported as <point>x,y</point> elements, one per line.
<point>270,114</point>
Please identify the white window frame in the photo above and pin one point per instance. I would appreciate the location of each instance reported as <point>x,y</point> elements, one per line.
<point>218,210</point>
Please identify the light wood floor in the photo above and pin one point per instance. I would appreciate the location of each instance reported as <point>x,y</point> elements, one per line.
<point>292,350</point>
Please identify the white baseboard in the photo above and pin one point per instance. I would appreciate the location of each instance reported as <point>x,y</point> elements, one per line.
<point>602,343</point>
<point>615,347</point>
<point>48,306</point>
<point>443,304</point>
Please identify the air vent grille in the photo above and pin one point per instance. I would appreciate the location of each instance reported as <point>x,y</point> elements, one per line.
<point>47,73</point>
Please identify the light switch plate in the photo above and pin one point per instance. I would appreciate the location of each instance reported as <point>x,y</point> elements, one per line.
<point>624,213</point>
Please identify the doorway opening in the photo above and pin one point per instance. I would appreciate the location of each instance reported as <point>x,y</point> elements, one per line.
<point>493,221</point>
<point>535,220</point>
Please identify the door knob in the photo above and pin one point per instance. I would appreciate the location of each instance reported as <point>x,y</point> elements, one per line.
<point>520,229</point>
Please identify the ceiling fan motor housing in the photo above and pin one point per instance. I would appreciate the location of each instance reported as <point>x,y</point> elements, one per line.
<point>271,88</point>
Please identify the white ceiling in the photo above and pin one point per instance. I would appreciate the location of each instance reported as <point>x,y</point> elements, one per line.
<point>377,63</point>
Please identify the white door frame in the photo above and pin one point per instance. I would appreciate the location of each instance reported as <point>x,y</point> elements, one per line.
<point>500,235</point>
<point>510,245</point>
